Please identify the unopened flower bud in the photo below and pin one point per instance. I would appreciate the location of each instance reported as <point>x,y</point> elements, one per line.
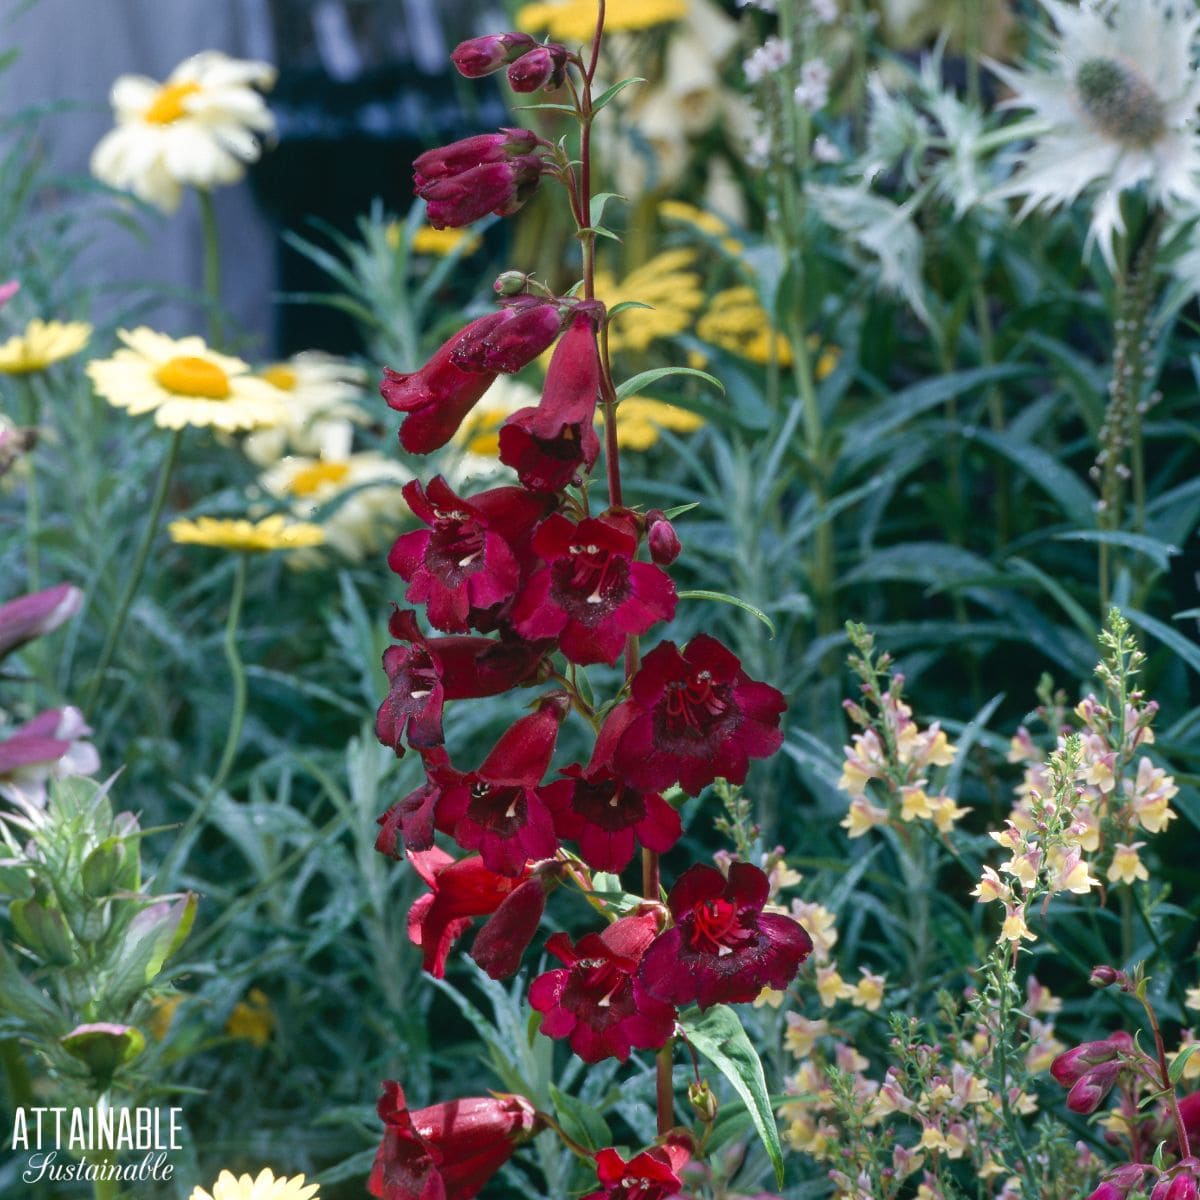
<point>511,283</point>
<point>1182,1187</point>
<point>1088,1092</point>
<point>481,56</point>
<point>702,1100</point>
<point>661,538</point>
<point>543,67</point>
<point>1070,1066</point>
<point>1104,976</point>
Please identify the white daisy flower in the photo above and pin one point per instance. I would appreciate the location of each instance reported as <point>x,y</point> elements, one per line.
<point>197,128</point>
<point>357,499</point>
<point>1118,103</point>
<point>183,382</point>
<point>320,392</point>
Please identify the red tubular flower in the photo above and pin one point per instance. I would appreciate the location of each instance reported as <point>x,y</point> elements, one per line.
<point>465,563</point>
<point>694,717</point>
<point>651,1175</point>
<point>448,1151</point>
<point>427,672</point>
<point>1189,1111</point>
<point>549,444</point>
<point>1070,1066</point>
<point>723,949</point>
<point>1089,1091</point>
<point>482,56</point>
<point>510,339</point>
<point>492,187</point>
<point>462,890</point>
<point>445,162</point>
<point>542,67</point>
<point>591,595</point>
<point>597,1002</point>
<point>498,810</point>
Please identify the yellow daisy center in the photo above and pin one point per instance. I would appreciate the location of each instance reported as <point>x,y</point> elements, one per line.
<point>167,105</point>
<point>191,376</point>
<point>309,479</point>
<point>280,376</point>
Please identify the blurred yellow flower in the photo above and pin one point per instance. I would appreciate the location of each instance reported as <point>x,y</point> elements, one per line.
<point>681,213</point>
<point>263,1187</point>
<point>1126,865</point>
<point>736,321</point>
<point>440,242</point>
<point>668,283</point>
<point>640,420</point>
<point>252,1019</point>
<point>162,1013</point>
<point>42,343</point>
<point>183,382</point>
<point>868,991</point>
<point>802,1033</point>
<point>575,20</point>
<point>1192,997</point>
<point>769,998</point>
<point>198,128</point>
<point>271,533</point>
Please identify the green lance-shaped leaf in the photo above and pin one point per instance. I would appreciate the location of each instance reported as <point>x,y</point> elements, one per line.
<point>44,930</point>
<point>646,378</point>
<point>719,1036</point>
<point>580,1121</point>
<point>151,938</point>
<point>1176,1069</point>
<point>736,601</point>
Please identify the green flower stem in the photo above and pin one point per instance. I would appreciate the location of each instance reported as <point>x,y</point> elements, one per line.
<point>31,418</point>
<point>237,718</point>
<point>139,567</point>
<point>212,263</point>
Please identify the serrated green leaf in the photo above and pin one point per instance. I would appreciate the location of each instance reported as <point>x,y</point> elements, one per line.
<point>719,1036</point>
<point>726,598</point>
<point>645,378</point>
<point>607,96</point>
<point>1176,1069</point>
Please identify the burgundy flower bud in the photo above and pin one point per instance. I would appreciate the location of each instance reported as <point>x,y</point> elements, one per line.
<point>493,187</point>
<point>543,67</point>
<point>1070,1066</point>
<point>1182,1187</point>
<point>481,56</point>
<point>39,613</point>
<point>442,162</point>
<point>1089,1091</point>
<point>661,538</point>
<point>447,1151</point>
<point>510,339</point>
<point>1107,1191</point>
<point>502,942</point>
<point>1104,976</point>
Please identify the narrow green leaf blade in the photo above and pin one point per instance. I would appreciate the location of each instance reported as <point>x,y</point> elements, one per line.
<point>737,602</point>
<point>719,1036</point>
<point>645,378</point>
<point>1176,1069</point>
<point>614,91</point>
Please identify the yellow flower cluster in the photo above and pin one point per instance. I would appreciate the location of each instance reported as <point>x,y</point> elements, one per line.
<point>575,20</point>
<point>271,533</point>
<point>895,753</point>
<point>42,343</point>
<point>641,420</point>
<point>439,242</point>
<point>679,212</point>
<point>668,283</point>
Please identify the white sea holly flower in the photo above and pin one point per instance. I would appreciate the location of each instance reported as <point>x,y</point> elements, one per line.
<point>1118,103</point>
<point>766,59</point>
<point>812,92</point>
<point>199,128</point>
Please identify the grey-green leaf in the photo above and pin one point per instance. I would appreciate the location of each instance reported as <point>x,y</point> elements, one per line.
<point>645,378</point>
<point>719,1036</point>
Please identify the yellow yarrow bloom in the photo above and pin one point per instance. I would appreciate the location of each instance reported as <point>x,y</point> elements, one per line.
<point>162,1014</point>
<point>271,533</point>
<point>441,242</point>
<point>183,382</point>
<point>265,1186</point>
<point>252,1019</point>
<point>42,343</point>
<point>668,283</point>
<point>641,420</point>
<point>736,321</point>
<point>575,20</point>
<point>682,213</point>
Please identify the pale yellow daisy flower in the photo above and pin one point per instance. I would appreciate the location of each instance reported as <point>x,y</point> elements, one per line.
<point>265,1186</point>
<point>42,343</point>
<point>271,533</point>
<point>183,382</point>
<point>199,128</point>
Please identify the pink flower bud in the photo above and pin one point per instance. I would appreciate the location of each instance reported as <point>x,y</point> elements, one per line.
<point>499,187</point>
<point>1182,1187</point>
<point>481,56</point>
<point>39,613</point>
<point>544,67</point>
<point>661,538</point>
<point>1107,1191</point>
<point>1071,1066</point>
<point>1089,1091</point>
<point>445,161</point>
<point>1104,976</point>
<point>508,340</point>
